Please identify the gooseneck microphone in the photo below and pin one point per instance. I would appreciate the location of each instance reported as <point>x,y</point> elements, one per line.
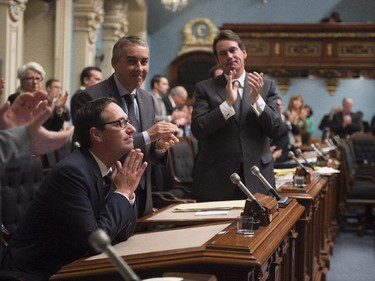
<point>235,178</point>
<point>256,172</point>
<point>101,243</point>
<point>300,154</point>
<point>291,155</point>
<point>319,152</point>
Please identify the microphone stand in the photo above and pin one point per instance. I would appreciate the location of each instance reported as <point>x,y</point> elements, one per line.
<point>281,201</point>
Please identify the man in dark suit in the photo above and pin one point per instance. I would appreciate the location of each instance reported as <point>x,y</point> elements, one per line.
<point>233,140</point>
<point>130,60</point>
<point>73,200</point>
<point>346,122</point>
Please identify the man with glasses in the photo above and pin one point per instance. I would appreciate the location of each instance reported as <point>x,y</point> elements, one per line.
<point>130,60</point>
<point>73,200</point>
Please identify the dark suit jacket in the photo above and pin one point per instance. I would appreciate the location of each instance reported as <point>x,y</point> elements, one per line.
<point>108,88</point>
<point>69,205</point>
<point>338,128</point>
<point>168,105</point>
<point>224,145</point>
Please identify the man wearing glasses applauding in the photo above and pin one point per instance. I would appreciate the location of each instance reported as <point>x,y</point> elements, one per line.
<point>77,196</point>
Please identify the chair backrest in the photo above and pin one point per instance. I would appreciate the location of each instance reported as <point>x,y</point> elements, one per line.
<point>181,162</point>
<point>364,148</point>
<point>17,191</point>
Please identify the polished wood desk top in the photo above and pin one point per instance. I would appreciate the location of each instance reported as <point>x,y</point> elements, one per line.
<point>223,246</point>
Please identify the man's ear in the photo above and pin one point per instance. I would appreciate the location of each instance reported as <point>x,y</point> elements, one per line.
<point>95,134</point>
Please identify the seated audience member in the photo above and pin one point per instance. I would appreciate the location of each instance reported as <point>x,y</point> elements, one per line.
<point>346,122</point>
<point>57,100</point>
<point>90,75</point>
<point>325,123</point>
<point>74,199</point>
<point>373,125</point>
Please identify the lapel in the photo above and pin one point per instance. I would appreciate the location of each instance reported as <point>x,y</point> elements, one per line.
<point>99,182</point>
<point>114,92</point>
<point>142,108</point>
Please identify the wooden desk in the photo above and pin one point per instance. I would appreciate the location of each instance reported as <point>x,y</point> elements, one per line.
<point>208,249</point>
<point>317,226</point>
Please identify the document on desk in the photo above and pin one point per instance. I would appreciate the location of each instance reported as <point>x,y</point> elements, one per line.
<point>210,206</point>
<point>160,241</point>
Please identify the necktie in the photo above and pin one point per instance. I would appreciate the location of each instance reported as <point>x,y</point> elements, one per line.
<point>131,111</point>
<point>237,102</point>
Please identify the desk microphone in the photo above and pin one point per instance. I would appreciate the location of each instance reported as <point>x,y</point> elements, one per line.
<point>291,155</point>
<point>235,178</point>
<point>299,153</point>
<point>319,152</point>
<point>101,243</point>
<point>256,172</point>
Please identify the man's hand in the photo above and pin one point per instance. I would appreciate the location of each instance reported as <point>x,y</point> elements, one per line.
<point>162,130</point>
<point>166,144</point>
<point>256,84</point>
<point>126,177</point>
<point>25,107</point>
<point>42,140</point>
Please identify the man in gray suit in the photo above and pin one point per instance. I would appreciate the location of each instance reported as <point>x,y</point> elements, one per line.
<point>130,60</point>
<point>234,115</point>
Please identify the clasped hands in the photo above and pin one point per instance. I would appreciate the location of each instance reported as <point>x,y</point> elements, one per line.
<point>255,81</point>
<point>165,135</point>
<point>126,176</point>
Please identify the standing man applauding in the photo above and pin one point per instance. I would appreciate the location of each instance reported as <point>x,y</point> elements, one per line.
<point>234,115</point>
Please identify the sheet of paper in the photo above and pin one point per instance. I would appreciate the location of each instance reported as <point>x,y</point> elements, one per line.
<point>210,206</point>
<point>212,213</point>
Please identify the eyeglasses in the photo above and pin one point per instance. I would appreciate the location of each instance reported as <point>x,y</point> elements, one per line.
<point>122,123</point>
<point>37,79</point>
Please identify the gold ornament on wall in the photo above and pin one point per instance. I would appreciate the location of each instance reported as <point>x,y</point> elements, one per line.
<point>198,35</point>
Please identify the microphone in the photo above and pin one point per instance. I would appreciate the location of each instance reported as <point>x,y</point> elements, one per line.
<point>299,153</point>
<point>256,172</point>
<point>101,243</point>
<point>235,178</point>
<point>291,155</point>
<point>319,152</point>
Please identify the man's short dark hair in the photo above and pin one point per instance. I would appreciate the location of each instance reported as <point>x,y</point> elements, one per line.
<point>227,34</point>
<point>86,73</point>
<point>88,116</point>
<point>156,79</point>
<point>50,81</point>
